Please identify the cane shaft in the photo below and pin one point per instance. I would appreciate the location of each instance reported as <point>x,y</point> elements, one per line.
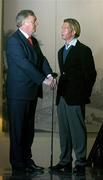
<point>52,129</point>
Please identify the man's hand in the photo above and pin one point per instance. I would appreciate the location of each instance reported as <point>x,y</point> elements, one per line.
<point>50,81</point>
<point>47,81</point>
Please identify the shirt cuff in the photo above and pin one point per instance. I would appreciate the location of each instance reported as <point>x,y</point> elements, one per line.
<point>49,75</point>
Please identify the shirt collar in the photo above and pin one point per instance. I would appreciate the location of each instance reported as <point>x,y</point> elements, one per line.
<point>24,33</point>
<point>72,43</point>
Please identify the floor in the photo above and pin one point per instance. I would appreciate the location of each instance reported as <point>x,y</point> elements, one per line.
<point>90,175</point>
<point>42,154</point>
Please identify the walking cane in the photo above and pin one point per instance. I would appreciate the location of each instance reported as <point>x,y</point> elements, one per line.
<point>52,127</point>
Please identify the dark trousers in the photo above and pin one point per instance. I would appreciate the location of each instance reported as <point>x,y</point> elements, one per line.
<point>72,131</point>
<point>21,114</point>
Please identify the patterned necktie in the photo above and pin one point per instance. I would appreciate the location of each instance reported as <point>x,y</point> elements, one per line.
<point>30,40</point>
<point>65,53</point>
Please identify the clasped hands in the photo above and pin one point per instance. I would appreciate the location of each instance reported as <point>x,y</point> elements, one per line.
<point>50,81</point>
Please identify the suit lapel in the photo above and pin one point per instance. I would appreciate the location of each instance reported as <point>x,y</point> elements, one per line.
<point>69,54</point>
<point>29,50</point>
<point>67,58</point>
<point>60,58</point>
<point>73,51</point>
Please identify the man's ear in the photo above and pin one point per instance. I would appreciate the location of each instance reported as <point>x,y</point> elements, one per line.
<point>73,32</point>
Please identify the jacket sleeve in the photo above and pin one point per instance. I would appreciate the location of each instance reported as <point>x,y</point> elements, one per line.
<point>16,55</point>
<point>89,71</point>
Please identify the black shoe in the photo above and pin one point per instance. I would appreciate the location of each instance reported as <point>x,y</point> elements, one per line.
<point>78,169</point>
<point>68,168</point>
<point>32,167</point>
<point>58,167</point>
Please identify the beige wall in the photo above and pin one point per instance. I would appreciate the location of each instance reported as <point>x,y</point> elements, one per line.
<point>50,15</point>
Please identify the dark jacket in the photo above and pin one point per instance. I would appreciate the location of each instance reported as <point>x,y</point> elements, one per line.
<point>27,68</point>
<point>77,75</point>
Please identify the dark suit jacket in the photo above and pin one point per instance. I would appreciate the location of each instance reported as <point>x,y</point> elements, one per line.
<point>77,75</point>
<point>27,68</point>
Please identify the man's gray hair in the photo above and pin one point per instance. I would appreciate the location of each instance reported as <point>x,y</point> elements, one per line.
<point>22,15</point>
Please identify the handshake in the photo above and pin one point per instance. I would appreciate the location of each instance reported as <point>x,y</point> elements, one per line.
<point>51,80</point>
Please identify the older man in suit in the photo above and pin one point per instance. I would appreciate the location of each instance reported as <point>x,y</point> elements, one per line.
<point>28,69</point>
<point>77,77</point>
